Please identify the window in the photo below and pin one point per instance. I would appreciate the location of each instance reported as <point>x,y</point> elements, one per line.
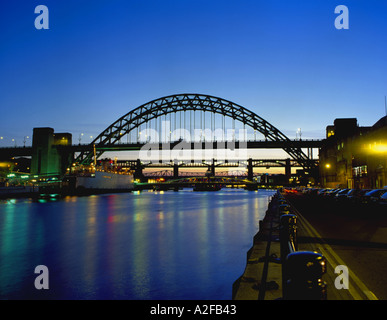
<point>360,171</point>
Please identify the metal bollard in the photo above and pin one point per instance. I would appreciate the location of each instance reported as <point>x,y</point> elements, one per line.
<point>288,242</point>
<point>284,208</point>
<point>288,234</point>
<point>282,201</point>
<point>303,276</point>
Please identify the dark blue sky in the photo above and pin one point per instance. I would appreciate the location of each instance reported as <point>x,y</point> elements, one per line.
<point>283,60</point>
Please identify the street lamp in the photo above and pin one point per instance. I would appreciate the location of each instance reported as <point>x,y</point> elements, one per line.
<point>299,132</point>
<point>80,137</point>
<point>25,140</point>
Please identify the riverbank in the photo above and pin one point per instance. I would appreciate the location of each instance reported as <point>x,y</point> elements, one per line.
<point>339,244</point>
<point>262,276</point>
<point>18,192</point>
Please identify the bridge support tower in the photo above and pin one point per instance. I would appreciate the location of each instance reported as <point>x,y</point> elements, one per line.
<point>175,170</point>
<point>46,158</point>
<point>288,169</point>
<point>138,174</point>
<point>250,173</point>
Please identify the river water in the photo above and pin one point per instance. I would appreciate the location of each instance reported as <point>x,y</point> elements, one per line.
<point>139,245</point>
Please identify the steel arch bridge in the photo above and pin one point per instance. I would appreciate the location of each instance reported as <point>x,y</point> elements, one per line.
<point>169,173</point>
<point>190,102</point>
<point>209,180</point>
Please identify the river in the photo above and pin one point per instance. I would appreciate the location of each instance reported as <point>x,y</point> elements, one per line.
<point>141,245</point>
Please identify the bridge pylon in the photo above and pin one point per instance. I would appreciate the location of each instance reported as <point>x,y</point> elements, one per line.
<point>175,170</point>
<point>250,173</point>
<point>138,174</point>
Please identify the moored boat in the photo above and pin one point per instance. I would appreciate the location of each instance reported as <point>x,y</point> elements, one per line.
<point>102,181</point>
<point>207,187</point>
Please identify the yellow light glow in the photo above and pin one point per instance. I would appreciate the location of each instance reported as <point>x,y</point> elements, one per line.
<point>373,148</point>
<point>327,166</point>
<point>380,148</point>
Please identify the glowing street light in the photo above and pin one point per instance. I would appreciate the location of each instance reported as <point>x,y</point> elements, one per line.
<point>25,140</point>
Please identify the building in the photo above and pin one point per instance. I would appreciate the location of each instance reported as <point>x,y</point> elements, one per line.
<point>354,156</point>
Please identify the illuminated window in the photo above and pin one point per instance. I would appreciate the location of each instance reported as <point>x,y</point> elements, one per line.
<point>360,171</point>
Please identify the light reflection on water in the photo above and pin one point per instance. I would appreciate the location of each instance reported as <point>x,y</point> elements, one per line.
<point>148,245</point>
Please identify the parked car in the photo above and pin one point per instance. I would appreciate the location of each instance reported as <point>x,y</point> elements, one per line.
<point>321,192</point>
<point>354,194</point>
<point>383,200</point>
<point>342,194</point>
<point>332,193</point>
<point>313,192</point>
<point>373,196</point>
<point>326,192</point>
<point>360,195</point>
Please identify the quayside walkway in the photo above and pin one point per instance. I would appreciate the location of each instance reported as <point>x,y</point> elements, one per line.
<point>290,260</point>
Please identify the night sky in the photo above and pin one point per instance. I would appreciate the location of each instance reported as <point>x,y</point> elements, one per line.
<point>284,60</point>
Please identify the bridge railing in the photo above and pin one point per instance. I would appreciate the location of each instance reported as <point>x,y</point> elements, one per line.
<point>302,271</point>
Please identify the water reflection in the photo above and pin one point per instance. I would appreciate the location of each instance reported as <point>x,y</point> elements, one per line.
<point>148,245</point>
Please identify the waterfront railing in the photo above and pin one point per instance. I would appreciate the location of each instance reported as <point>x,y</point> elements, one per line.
<point>302,271</point>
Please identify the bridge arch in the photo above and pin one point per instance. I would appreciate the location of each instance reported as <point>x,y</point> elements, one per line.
<point>187,102</point>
